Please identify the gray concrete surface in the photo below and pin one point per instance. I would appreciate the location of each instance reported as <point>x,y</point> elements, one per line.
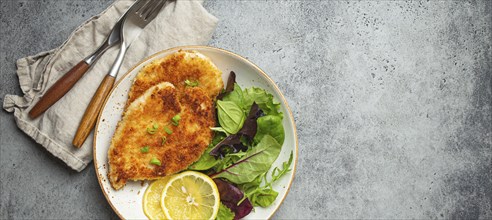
<point>392,101</point>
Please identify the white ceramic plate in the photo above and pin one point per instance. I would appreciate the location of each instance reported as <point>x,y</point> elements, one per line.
<point>127,202</point>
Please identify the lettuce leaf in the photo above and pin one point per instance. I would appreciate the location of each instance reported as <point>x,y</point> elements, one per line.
<point>263,99</point>
<point>254,163</point>
<point>270,125</point>
<point>245,98</point>
<point>224,213</point>
<point>264,195</point>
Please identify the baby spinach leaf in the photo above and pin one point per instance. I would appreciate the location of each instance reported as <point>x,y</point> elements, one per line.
<point>242,139</point>
<point>254,163</point>
<point>220,129</point>
<point>271,125</point>
<point>231,116</point>
<point>224,213</point>
<point>235,96</point>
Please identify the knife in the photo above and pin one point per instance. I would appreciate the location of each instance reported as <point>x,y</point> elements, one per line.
<point>67,81</point>
<point>134,22</point>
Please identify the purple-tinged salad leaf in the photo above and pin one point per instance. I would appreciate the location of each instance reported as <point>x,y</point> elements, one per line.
<point>230,196</point>
<point>232,143</point>
<point>255,162</point>
<point>250,124</point>
<point>207,161</point>
<point>230,85</point>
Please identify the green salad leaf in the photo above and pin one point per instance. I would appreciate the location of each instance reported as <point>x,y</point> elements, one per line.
<point>231,116</point>
<point>228,160</point>
<point>219,129</point>
<point>263,197</point>
<point>245,98</point>
<point>253,163</point>
<point>270,125</point>
<point>205,162</point>
<point>279,172</point>
<point>263,99</point>
<point>250,188</point>
<point>236,96</point>
<point>224,213</point>
<point>249,167</point>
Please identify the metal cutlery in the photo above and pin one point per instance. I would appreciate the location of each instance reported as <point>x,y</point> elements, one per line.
<point>144,12</point>
<point>67,81</point>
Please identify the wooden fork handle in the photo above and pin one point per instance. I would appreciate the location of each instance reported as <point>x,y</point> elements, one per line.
<point>91,113</point>
<point>59,89</point>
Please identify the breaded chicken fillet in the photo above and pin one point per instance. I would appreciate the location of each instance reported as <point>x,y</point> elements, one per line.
<point>162,132</point>
<point>182,69</point>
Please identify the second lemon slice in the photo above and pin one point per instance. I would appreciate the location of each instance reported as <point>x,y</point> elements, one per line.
<point>190,195</point>
<point>152,199</point>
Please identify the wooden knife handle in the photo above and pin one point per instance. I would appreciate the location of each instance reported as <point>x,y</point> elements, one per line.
<point>59,89</point>
<point>92,111</point>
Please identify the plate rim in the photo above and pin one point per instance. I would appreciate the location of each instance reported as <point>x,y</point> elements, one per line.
<point>191,47</point>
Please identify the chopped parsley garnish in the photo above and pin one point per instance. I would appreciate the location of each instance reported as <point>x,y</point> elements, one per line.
<point>153,129</point>
<point>175,120</point>
<point>163,140</point>
<point>144,149</point>
<point>155,161</point>
<point>191,83</point>
<point>168,130</point>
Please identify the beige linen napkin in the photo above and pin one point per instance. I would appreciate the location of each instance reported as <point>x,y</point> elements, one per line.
<point>182,22</point>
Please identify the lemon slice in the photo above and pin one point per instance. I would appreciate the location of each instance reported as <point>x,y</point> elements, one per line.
<point>152,199</point>
<point>190,195</point>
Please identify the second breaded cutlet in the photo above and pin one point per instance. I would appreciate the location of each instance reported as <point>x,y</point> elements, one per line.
<point>177,68</point>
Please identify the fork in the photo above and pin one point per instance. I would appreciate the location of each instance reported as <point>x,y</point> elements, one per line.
<point>65,83</point>
<point>135,21</point>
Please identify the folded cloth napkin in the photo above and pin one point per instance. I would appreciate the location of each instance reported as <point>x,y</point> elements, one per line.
<point>180,23</point>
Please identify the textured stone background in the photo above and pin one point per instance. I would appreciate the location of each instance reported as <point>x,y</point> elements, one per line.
<point>392,101</point>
